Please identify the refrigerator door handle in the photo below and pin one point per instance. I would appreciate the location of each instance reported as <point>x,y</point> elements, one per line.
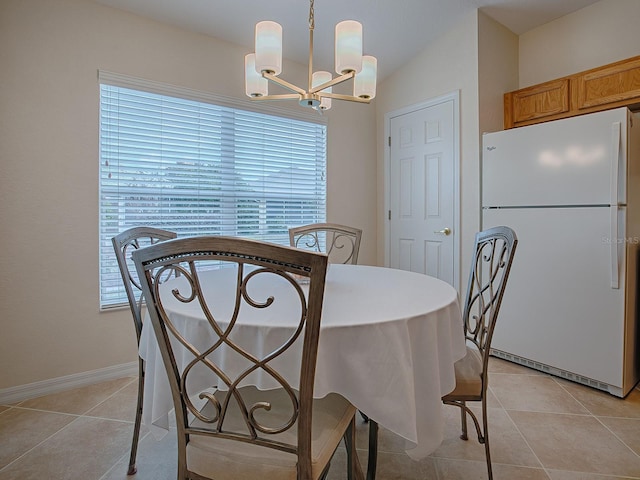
<point>613,204</point>
<point>615,161</point>
<point>613,246</point>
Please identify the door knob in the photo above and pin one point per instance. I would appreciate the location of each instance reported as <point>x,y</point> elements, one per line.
<point>444,231</point>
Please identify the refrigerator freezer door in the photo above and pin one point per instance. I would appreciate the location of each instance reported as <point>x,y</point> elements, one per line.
<point>559,308</point>
<point>565,162</point>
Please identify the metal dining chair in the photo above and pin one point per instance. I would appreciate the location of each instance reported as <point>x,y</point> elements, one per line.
<point>123,244</point>
<point>493,255</point>
<point>340,242</point>
<point>241,432</point>
<point>342,245</point>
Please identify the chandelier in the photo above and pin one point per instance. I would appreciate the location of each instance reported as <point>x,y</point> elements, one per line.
<point>265,65</point>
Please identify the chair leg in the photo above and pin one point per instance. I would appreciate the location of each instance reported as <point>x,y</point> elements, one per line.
<point>463,421</point>
<point>482,431</point>
<point>372,460</point>
<point>485,438</point>
<point>136,427</point>
<point>350,444</point>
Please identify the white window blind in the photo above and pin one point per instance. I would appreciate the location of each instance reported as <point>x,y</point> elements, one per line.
<point>198,168</point>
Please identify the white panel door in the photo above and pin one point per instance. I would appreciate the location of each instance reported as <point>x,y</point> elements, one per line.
<point>421,191</point>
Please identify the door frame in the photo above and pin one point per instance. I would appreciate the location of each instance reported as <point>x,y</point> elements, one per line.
<point>452,96</point>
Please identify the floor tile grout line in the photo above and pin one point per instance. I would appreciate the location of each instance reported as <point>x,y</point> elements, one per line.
<point>598,419</point>
<point>31,409</point>
<point>119,420</point>
<point>533,452</point>
<point>110,396</point>
<point>495,395</point>
<point>19,404</point>
<point>563,387</point>
<point>42,441</point>
<point>77,415</point>
<point>571,414</point>
<point>524,439</point>
<point>616,435</point>
<point>5,411</point>
<point>483,463</point>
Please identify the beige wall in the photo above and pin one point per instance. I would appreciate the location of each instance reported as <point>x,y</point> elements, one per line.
<point>497,71</point>
<point>602,33</point>
<point>50,53</point>
<point>449,64</point>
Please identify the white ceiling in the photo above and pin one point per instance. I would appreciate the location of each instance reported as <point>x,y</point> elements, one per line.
<point>394,30</point>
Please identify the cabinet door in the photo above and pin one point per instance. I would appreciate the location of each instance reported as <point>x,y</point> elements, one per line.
<point>537,103</point>
<point>603,88</point>
<point>619,82</point>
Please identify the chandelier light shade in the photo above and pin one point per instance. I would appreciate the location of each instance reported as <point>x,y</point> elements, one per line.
<point>255,84</point>
<point>318,78</point>
<point>269,47</point>
<point>348,52</point>
<point>265,65</point>
<point>364,85</point>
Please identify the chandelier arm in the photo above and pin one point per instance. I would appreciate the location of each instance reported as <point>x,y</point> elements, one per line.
<point>283,83</point>
<point>335,81</point>
<point>339,96</point>
<point>284,96</point>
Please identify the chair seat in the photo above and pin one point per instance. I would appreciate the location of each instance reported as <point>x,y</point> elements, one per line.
<point>468,377</point>
<point>228,460</point>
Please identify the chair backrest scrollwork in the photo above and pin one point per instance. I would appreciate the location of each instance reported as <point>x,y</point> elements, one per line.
<point>252,278</point>
<point>493,255</point>
<point>340,242</point>
<point>123,244</point>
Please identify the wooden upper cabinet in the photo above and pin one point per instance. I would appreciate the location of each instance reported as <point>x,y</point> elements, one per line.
<point>611,86</point>
<point>608,85</point>
<point>543,101</point>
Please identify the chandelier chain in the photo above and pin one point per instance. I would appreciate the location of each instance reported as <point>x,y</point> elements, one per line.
<point>311,16</point>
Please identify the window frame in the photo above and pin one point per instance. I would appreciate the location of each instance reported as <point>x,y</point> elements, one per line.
<point>255,212</point>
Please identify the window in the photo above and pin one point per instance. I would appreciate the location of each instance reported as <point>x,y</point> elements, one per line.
<point>190,165</point>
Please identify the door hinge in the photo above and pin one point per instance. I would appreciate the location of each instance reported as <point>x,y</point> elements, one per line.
<point>389,141</point>
<point>389,214</point>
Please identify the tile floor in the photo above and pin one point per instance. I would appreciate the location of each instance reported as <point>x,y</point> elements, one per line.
<point>541,428</point>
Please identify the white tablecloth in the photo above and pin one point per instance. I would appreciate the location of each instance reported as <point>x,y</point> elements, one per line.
<point>388,342</point>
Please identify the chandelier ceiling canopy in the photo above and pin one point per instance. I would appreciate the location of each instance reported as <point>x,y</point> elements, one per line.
<point>265,65</point>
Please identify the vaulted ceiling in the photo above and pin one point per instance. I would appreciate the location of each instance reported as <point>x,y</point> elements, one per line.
<point>394,30</point>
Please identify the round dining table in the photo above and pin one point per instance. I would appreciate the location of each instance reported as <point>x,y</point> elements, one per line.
<point>388,343</point>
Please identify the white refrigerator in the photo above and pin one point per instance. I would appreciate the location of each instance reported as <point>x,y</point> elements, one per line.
<point>570,189</point>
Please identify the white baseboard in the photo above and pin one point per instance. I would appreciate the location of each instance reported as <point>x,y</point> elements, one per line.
<point>20,393</point>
